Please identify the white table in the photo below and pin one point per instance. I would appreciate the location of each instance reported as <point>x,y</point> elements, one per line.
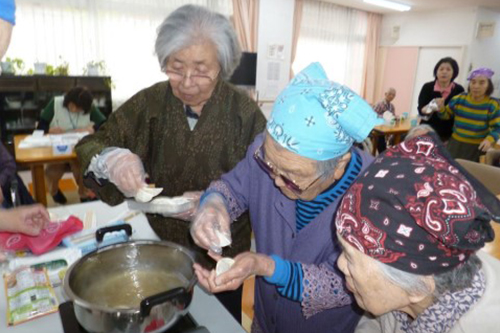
<point>205,308</point>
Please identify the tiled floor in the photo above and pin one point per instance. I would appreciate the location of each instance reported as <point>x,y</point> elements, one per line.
<point>68,186</point>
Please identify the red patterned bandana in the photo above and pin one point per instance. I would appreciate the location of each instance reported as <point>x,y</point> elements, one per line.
<point>417,210</point>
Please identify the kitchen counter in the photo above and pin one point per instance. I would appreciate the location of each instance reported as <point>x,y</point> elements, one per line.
<point>205,308</point>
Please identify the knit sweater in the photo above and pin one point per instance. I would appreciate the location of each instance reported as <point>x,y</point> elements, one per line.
<point>474,120</point>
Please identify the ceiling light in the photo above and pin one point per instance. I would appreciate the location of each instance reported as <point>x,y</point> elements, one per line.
<point>389,4</point>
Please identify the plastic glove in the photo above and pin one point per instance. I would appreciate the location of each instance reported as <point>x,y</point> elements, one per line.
<point>211,225</point>
<point>125,170</point>
<point>193,197</point>
<point>245,265</point>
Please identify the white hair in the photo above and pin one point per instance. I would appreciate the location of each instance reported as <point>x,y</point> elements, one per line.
<point>458,278</point>
<point>191,24</point>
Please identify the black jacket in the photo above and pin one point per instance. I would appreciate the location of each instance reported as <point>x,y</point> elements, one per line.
<point>444,128</point>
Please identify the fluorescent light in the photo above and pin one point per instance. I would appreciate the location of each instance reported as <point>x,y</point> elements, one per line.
<point>389,4</point>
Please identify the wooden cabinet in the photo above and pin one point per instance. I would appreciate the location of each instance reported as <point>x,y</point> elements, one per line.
<point>23,97</point>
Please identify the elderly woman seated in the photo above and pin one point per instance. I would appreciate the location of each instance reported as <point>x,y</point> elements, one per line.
<point>411,227</point>
<point>291,182</point>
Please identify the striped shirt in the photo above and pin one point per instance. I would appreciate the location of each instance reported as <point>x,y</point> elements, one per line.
<point>288,276</point>
<point>474,120</point>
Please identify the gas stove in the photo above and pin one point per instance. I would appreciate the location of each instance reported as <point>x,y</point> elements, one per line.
<point>185,324</point>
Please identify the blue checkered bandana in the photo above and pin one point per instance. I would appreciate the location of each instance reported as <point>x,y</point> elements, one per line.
<point>319,119</point>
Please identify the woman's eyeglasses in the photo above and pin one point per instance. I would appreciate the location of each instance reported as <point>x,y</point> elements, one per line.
<point>197,79</point>
<point>271,170</point>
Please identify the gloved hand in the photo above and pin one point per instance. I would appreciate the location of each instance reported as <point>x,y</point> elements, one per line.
<point>211,225</point>
<point>194,197</point>
<point>125,170</point>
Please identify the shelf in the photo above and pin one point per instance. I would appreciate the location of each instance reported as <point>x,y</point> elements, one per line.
<point>21,109</point>
<point>38,90</point>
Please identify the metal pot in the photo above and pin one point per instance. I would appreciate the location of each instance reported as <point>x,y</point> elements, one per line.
<point>132,287</point>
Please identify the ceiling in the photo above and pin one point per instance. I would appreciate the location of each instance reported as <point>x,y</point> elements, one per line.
<point>421,5</point>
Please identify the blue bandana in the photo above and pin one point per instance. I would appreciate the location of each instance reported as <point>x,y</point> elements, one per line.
<point>319,119</point>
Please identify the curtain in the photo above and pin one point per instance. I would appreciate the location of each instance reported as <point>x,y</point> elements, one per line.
<point>245,20</point>
<point>297,20</point>
<point>119,32</point>
<point>336,37</point>
<point>371,57</point>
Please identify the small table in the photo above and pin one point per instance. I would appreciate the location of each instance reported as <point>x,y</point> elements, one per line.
<point>206,310</point>
<point>36,158</point>
<point>397,131</point>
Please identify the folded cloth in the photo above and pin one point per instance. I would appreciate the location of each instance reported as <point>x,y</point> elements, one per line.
<point>48,238</point>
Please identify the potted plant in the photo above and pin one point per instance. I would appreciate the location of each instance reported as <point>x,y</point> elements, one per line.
<point>95,68</point>
<point>12,66</point>
<point>40,68</point>
<point>61,70</point>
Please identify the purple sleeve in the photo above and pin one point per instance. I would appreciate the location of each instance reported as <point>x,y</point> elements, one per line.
<point>322,289</point>
<point>235,185</point>
<point>7,166</point>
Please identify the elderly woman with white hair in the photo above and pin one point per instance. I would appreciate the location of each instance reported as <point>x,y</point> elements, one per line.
<point>411,228</point>
<point>182,133</point>
<point>291,181</point>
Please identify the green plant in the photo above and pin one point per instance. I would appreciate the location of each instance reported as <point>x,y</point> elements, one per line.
<point>62,69</point>
<point>109,83</point>
<point>17,65</point>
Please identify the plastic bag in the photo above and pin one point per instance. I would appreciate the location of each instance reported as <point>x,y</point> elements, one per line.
<point>49,237</point>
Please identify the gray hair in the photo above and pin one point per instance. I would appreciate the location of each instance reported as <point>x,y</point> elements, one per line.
<point>458,278</point>
<point>191,24</point>
<point>418,130</point>
<point>327,167</point>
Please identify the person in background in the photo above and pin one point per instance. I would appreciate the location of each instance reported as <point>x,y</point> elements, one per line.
<point>386,103</point>
<point>382,107</point>
<point>477,117</point>
<point>291,181</point>
<point>184,132</point>
<point>73,112</point>
<point>442,88</point>
<point>411,229</point>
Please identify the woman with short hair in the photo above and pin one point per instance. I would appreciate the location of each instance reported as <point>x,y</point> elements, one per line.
<point>411,228</point>
<point>183,133</point>
<point>69,113</point>
<point>443,87</point>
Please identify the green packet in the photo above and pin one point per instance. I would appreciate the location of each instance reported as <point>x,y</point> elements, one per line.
<point>29,294</point>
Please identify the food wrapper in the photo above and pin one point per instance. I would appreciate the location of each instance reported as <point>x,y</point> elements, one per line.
<point>29,295</point>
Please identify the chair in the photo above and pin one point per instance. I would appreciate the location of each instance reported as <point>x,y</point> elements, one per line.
<point>488,175</point>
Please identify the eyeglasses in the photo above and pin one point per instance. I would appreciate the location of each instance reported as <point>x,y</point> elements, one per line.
<point>271,170</point>
<point>197,79</point>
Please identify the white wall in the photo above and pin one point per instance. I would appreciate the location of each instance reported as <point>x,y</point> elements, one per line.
<point>452,27</point>
<point>485,52</point>
<point>275,28</point>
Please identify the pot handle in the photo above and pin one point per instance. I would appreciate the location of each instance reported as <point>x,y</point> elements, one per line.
<point>179,297</point>
<point>99,234</point>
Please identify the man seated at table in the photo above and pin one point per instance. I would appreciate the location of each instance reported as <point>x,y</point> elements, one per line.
<point>73,112</point>
<point>385,106</point>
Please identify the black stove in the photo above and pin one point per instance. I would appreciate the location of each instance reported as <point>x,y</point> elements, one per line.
<point>185,324</point>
